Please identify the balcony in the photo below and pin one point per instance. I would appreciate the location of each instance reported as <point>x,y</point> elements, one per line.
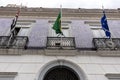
<point>18,42</point>
<point>60,43</point>
<point>107,44</point>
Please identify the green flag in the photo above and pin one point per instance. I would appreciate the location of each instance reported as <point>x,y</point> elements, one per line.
<point>57,25</point>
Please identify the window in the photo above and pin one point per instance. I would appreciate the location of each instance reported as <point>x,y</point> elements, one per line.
<point>23,32</point>
<point>98,32</point>
<point>23,27</point>
<point>7,75</point>
<point>113,76</point>
<point>65,29</point>
<point>96,28</point>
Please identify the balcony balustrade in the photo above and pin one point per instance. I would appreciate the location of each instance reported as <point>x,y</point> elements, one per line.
<point>16,42</point>
<point>60,43</point>
<point>106,43</point>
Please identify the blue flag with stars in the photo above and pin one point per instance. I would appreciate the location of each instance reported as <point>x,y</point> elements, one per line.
<point>105,25</point>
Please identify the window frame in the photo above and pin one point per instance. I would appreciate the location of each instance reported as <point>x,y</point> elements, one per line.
<point>66,25</point>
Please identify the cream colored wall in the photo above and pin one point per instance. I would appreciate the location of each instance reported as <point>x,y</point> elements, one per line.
<point>28,66</point>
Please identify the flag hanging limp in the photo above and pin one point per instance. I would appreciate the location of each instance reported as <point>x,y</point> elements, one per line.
<point>12,28</point>
<point>14,21</point>
<point>105,25</point>
<point>57,25</point>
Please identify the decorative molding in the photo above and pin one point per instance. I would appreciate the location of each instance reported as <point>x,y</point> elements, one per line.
<point>52,21</point>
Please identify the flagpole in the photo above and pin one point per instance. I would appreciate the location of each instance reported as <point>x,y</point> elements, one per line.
<point>102,7</point>
<point>61,24</point>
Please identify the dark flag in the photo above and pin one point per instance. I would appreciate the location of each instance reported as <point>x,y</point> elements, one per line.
<point>105,25</point>
<point>12,29</point>
<point>57,25</point>
<point>14,21</point>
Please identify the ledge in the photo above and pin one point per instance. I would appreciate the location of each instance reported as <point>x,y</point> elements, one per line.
<point>8,74</point>
<point>109,53</point>
<point>60,52</point>
<point>113,76</point>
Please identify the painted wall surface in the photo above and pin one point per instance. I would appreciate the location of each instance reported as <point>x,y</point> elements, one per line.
<point>29,66</point>
<point>40,30</point>
<point>5,26</point>
<point>38,34</point>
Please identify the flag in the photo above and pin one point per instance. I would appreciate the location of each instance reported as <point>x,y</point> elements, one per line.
<point>57,25</point>
<point>14,21</point>
<point>105,25</point>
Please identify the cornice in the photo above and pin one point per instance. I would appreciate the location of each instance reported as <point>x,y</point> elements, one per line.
<point>53,12</point>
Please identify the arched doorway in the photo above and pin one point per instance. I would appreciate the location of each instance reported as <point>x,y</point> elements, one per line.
<point>54,70</point>
<point>61,73</point>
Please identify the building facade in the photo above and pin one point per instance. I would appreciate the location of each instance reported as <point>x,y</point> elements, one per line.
<point>36,53</point>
